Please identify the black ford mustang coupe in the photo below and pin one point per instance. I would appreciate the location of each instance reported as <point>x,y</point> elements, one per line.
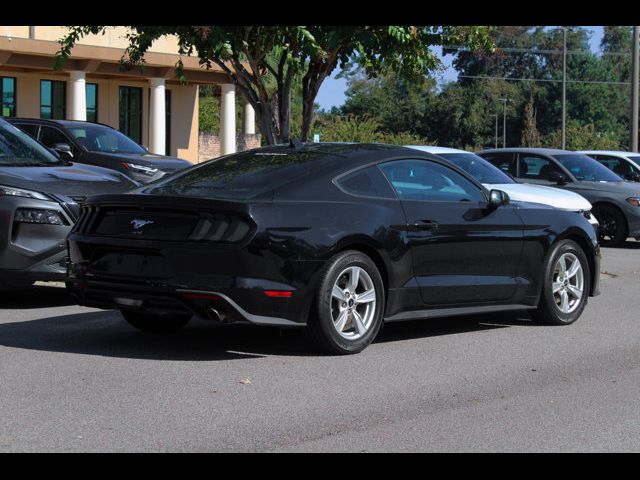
<point>334,237</point>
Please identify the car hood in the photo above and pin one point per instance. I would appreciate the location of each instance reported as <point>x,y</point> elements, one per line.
<point>71,180</point>
<point>555,197</point>
<point>162,162</point>
<point>622,187</point>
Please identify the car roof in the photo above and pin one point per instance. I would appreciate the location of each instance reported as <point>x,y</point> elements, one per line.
<point>47,121</point>
<point>547,151</point>
<point>608,152</point>
<point>436,150</point>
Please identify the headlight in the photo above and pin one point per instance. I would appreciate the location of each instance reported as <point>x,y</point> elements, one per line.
<point>634,201</point>
<point>19,192</point>
<point>589,216</point>
<point>36,215</point>
<point>150,171</point>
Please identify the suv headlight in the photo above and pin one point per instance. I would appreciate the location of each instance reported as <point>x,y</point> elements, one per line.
<point>19,192</point>
<point>150,171</point>
<point>37,215</point>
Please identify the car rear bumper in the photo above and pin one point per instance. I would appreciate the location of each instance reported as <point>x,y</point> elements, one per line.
<point>231,305</point>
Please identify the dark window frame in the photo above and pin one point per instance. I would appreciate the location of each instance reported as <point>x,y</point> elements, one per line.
<point>51,106</point>
<point>15,95</point>
<point>127,130</point>
<point>96,109</point>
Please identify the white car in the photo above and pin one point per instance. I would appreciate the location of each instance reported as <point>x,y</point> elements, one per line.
<point>494,178</point>
<point>624,164</point>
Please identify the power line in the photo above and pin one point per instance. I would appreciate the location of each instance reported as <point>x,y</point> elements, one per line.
<point>540,52</point>
<point>483,77</point>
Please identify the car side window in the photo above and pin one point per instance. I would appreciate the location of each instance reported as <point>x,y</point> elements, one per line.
<point>536,167</point>
<point>504,161</point>
<point>615,164</point>
<point>426,180</point>
<point>29,128</point>
<point>368,182</point>
<point>49,136</point>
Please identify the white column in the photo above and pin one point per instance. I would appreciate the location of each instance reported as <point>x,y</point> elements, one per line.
<point>77,96</point>
<point>157,117</point>
<point>249,120</point>
<point>227,119</point>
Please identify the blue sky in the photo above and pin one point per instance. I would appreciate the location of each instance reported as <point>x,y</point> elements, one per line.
<point>332,90</point>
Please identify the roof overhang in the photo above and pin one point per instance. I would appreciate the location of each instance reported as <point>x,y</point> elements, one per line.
<point>21,54</point>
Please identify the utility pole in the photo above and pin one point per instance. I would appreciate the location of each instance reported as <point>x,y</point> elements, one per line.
<point>634,90</point>
<point>496,142</point>
<point>564,87</point>
<point>504,122</point>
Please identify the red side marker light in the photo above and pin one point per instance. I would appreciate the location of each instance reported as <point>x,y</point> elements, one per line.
<point>278,293</point>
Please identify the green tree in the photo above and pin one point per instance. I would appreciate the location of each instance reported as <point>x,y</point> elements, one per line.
<point>256,57</point>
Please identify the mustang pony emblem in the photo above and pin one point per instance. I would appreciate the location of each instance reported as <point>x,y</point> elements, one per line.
<point>138,224</point>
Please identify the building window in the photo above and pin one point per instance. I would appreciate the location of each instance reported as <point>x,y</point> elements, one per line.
<point>8,96</point>
<point>53,99</point>
<point>131,112</point>
<point>167,113</point>
<point>92,102</point>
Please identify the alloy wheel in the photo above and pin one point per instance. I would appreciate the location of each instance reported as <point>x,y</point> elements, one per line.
<point>353,303</point>
<point>568,283</point>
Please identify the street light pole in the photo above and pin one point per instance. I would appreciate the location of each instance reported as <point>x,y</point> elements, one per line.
<point>564,87</point>
<point>634,90</point>
<point>496,142</point>
<point>504,122</point>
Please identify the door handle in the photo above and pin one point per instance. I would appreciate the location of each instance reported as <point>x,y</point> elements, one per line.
<point>425,225</point>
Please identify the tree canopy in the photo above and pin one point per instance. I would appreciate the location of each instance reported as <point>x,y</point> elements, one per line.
<point>265,61</point>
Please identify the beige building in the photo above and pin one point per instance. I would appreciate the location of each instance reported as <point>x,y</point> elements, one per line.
<point>150,105</point>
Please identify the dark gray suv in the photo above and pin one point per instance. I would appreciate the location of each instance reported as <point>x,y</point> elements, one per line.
<point>39,203</point>
<point>616,203</point>
<point>101,145</point>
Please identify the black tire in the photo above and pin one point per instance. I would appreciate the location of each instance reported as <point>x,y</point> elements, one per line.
<point>613,226</point>
<point>321,328</point>
<point>548,310</point>
<point>155,323</point>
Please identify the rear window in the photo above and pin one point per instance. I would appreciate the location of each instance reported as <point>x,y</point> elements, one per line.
<point>243,176</point>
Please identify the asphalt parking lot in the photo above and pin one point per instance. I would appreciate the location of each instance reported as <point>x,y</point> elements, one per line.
<point>78,379</point>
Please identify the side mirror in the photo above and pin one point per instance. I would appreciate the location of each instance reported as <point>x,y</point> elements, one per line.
<point>497,198</point>
<point>558,178</point>
<point>54,152</point>
<point>633,177</point>
<point>63,149</point>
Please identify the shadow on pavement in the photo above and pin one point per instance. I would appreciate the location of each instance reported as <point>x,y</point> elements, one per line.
<point>36,296</point>
<point>105,333</point>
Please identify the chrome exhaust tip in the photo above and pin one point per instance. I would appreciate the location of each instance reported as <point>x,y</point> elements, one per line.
<point>213,314</point>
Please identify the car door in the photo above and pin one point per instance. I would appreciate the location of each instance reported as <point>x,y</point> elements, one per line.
<point>463,252</point>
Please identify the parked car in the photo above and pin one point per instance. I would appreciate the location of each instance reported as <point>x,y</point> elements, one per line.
<point>100,145</point>
<point>625,164</point>
<point>39,203</point>
<point>616,203</point>
<point>492,177</point>
<point>334,237</point>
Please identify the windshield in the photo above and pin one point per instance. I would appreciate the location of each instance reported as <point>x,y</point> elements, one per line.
<point>98,138</point>
<point>584,167</point>
<point>243,175</point>
<point>478,167</point>
<point>19,149</point>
